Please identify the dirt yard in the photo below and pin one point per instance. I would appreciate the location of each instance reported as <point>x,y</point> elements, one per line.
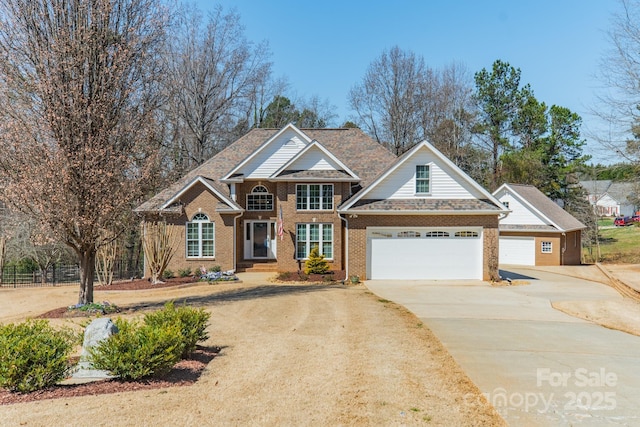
<point>291,355</point>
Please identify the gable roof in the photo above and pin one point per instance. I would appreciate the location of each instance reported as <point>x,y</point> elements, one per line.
<point>621,192</point>
<point>362,155</point>
<point>536,201</point>
<point>486,203</point>
<point>288,171</point>
<point>596,187</point>
<point>226,205</point>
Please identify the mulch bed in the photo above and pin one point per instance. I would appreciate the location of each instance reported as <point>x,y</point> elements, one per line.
<point>299,276</point>
<point>184,373</point>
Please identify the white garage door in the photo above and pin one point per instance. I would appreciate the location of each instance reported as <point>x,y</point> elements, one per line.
<point>518,250</point>
<point>424,253</point>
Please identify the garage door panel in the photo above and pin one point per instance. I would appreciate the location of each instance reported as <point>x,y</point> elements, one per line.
<point>426,258</point>
<point>517,250</point>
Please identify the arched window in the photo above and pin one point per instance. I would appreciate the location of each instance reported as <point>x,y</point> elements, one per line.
<point>260,199</point>
<point>466,233</point>
<point>408,234</point>
<point>436,234</point>
<point>201,233</point>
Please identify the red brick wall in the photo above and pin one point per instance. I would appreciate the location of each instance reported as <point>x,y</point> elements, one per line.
<point>286,198</point>
<point>199,199</point>
<point>358,236</point>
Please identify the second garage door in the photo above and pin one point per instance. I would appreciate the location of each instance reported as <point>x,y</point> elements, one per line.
<point>518,250</point>
<point>424,253</point>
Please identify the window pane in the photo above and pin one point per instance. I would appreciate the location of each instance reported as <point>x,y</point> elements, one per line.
<point>327,232</point>
<point>192,231</point>
<point>327,249</point>
<point>301,197</point>
<point>207,231</point>
<point>422,171</point>
<point>314,196</point>
<point>301,233</point>
<point>327,197</point>
<point>192,248</point>
<point>207,248</point>
<point>301,250</point>
<point>314,232</point>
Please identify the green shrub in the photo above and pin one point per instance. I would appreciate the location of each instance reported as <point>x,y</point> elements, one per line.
<point>215,269</point>
<point>191,322</point>
<point>316,264</point>
<point>184,272</point>
<point>33,355</point>
<point>138,350</point>
<point>168,274</point>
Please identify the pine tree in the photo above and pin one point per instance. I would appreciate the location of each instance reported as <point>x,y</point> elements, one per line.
<point>316,264</point>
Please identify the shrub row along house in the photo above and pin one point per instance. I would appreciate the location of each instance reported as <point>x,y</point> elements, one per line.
<point>273,195</point>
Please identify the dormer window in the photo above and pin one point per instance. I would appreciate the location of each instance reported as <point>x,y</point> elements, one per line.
<point>260,199</point>
<point>422,179</point>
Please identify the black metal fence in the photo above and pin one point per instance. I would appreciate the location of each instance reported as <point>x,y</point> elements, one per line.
<point>58,274</point>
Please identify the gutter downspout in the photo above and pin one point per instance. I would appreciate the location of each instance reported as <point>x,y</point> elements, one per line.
<point>346,247</point>
<point>235,240</point>
<point>564,247</point>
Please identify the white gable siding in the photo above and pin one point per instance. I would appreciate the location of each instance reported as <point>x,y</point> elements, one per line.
<point>274,156</point>
<point>314,159</point>
<point>521,214</point>
<point>444,183</point>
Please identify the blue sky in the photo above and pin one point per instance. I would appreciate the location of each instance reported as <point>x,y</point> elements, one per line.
<point>324,47</point>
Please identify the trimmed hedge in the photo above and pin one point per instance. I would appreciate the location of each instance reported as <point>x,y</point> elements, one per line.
<point>33,355</point>
<point>138,350</point>
<point>192,323</point>
<point>152,347</point>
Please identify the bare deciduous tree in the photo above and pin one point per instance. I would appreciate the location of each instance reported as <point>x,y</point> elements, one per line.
<point>105,262</point>
<point>401,102</point>
<point>619,100</point>
<point>213,75</point>
<point>159,242</point>
<point>386,101</point>
<point>77,103</point>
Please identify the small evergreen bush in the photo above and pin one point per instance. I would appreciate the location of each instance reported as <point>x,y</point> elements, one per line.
<point>191,322</point>
<point>33,355</point>
<point>184,272</point>
<point>316,264</point>
<point>168,274</point>
<point>139,350</point>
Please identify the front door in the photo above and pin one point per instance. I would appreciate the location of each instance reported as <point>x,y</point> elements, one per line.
<point>260,240</point>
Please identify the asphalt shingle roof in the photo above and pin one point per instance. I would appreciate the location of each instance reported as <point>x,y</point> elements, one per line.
<point>563,219</point>
<point>361,154</point>
<point>442,205</point>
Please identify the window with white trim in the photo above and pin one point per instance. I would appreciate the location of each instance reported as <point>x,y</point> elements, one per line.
<point>546,247</point>
<point>200,237</point>
<point>422,179</point>
<point>314,197</point>
<point>409,234</point>
<point>466,233</point>
<point>436,234</point>
<point>260,199</point>
<point>313,235</point>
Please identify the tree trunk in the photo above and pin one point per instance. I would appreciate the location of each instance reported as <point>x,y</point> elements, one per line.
<point>3,248</point>
<point>87,270</point>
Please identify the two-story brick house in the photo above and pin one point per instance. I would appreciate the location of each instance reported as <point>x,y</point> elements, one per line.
<point>273,195</point>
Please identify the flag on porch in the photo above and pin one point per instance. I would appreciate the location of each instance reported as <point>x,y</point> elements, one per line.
<point>280,224</point>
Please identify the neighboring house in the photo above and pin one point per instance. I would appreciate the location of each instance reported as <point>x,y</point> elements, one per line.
<point>273,195</point>
<point>538,231</point>
<point>612,198</point>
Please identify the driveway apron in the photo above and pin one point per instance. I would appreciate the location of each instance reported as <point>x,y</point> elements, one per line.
<point>536,365</point>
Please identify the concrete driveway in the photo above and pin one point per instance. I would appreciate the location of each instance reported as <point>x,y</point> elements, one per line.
<point>536,365</point>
